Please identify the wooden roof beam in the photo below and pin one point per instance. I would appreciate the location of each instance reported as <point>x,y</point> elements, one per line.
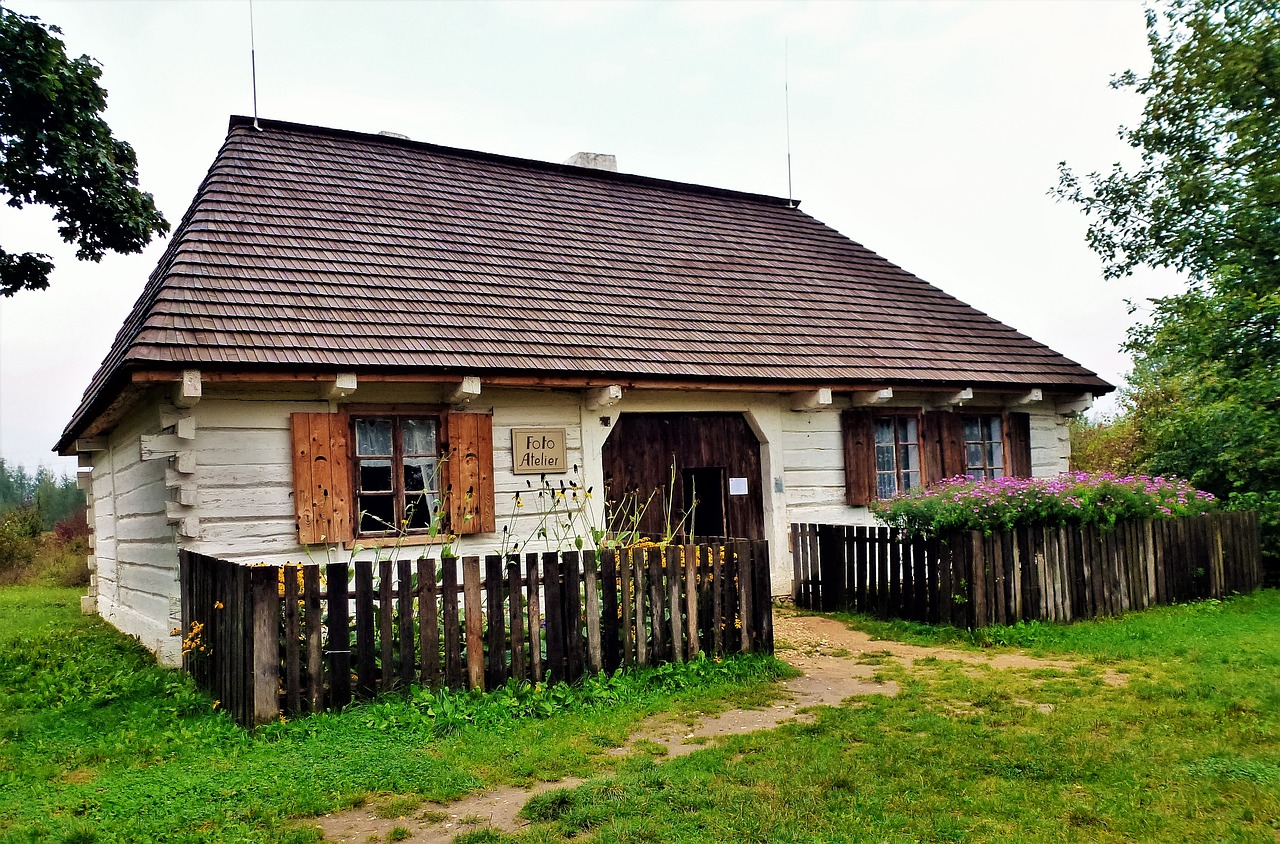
<point>342,385</point>
<point>606,396</point>
<point>465,392</point>
<point>868,398</point>
<point>819,399</point>
<point>1075,406</point>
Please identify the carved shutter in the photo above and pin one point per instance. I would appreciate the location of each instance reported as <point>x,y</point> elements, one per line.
<point>1017,444</point>
<point>321,478</point>
<point>470,473</point>
<point>859,457</point>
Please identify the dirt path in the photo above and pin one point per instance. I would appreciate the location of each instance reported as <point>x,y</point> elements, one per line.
<point>836,663</point>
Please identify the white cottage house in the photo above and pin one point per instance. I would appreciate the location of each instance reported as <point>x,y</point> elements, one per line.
<point>337,313</point>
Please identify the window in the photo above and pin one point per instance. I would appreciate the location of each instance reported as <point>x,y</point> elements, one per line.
<point>983,446</point>
<point>397,467</point>
<point>897,454</point>
<point>376,469</point>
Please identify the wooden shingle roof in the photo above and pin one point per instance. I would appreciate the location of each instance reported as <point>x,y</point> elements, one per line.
<point>317,249</point>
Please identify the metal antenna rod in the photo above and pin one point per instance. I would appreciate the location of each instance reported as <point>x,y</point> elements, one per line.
<point>253,67</point>
<point>786,92</point>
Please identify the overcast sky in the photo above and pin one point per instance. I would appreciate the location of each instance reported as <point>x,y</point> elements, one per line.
<point>930,132</point>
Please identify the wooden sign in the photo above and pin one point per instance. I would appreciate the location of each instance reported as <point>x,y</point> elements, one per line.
<point>538,451</point>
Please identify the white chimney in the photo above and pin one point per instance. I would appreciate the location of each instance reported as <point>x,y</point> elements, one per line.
<point>595,161</point>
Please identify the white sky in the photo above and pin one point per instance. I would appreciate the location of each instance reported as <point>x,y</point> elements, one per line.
<point>928,131</point>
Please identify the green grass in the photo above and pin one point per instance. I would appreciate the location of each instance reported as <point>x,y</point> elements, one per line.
<point>98,744</point>
<point>1188,750</point>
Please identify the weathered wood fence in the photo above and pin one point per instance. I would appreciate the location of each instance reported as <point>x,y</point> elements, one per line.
<point>272,640</point>
<point>1057,574</point>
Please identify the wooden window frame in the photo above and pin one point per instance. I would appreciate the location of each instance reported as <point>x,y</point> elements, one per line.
<point>984,419</point>
<point>399,492</point>
<point>894,416</point>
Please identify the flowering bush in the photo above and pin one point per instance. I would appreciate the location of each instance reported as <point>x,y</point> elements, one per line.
<point>1074,498</point>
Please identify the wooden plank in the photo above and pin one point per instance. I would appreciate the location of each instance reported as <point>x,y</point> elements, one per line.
<point>764,596</point>
<point>516,619</point>
<point>314,637</point>
<point>689,560</point>
<point>495,667</point>
<point>366,683</point>
<point>626,588</point>
<point>536,667</point>
<point>552,591</point>
<point>406,657</point>
<point>339,635</point>
<point>1000,604</point>
<point>428,623</point>
<point>473,613</point>
<point>813,556</point>
<point>658,606</point>
<point>706,590</point>
<point>639,600</point>
<point>672,569</point>
<point>266,644</point>
<point>716,552</point>
<point>610,628</point>
<point>591,596</point>
<point>292,639</point>
<point>862,545</point>
<point>453,673</point>
<point>571,603</point>
<point>386,625</point>
<point>886,553</point>
<point>975,565</point>
<point>742,559</point>
<point>796,538</point>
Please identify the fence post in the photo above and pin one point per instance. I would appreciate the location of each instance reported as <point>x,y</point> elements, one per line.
<point>475,621</point>
<point>265,613</point>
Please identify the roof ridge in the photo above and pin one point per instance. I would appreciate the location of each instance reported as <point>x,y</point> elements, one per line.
<point>241,121</point>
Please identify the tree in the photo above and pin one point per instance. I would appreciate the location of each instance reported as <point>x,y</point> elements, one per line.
<point>1204,199</point>
<point>56,150</point>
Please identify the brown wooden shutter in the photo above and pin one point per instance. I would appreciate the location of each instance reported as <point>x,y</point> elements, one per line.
<point>470,473</point>
<point>859,457</point>
<point>1017,444</point>
<point>951,445</point>
<point>321,477</point>
<point>931,423</point>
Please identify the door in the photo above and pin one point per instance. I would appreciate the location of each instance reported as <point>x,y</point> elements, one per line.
<point>683,474</point>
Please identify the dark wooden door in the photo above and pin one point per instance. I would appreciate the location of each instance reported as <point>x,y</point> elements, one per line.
<point>660,458</point>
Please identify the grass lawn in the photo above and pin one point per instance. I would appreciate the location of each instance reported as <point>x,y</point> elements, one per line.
<point>96,744</point>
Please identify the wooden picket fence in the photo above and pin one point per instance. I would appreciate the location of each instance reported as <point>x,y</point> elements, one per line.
<point>268,640</point>
<point>973,580</point>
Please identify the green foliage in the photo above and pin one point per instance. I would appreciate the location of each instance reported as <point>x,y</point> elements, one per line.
<point>53,497</point>
<point>56,150</point>
<point>1107,445</point>
<point>1204,398</point>
<point>1075,498</point>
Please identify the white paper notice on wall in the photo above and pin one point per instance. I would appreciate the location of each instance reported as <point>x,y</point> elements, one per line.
<point>737,486</point>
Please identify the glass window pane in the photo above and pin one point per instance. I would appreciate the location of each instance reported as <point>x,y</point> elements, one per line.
<point>907,429</point>
<point>973,455</point>
<point>909,458</point>
<point>418,510</point>
<point>995,454</point>
<point>884,458</point>
<point>375,476</point>
<point>910,480</point>
<point>418,436</point>
<point>994,429</point>
<point>373,437</point>
<point>419,473</point>
<point>884,432</point>
<point>886,484</point>
<point>377,513</point>
<point>972,428</point>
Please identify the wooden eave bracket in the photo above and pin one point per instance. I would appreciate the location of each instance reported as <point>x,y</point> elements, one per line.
<point>811,400</point>
<point>1075,406</point>
<point>342,385</point>
<point>181,421</point>
<point>88,445</point>
<point>1029,397</point>
<point>603,397</point>
<point>868,398</point>
<point>956,399</point>
<point>466,391</point>
<point>186,393</point>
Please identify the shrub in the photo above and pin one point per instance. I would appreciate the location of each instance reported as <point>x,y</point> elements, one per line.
<point>1075,498</point>
<point>19,532</point>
